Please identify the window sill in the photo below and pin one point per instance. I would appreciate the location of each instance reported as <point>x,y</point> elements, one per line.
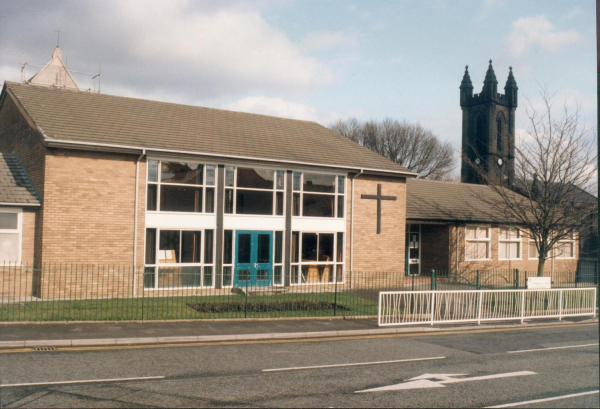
<point>253,215</point>
<point>164,212</point>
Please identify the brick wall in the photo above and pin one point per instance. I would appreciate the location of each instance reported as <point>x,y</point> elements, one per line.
<point>88,208</point>
<point>373,252</point>
<point>28,236</point>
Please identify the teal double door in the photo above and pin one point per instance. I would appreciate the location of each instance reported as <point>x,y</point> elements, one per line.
<point>254,258</point>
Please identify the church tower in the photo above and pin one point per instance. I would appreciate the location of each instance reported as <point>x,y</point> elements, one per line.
<point>488,129</point>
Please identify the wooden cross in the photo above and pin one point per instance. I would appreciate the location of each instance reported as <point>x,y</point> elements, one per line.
<point>379,198</point>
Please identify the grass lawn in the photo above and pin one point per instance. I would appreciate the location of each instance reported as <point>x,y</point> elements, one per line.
<point>193,307</point>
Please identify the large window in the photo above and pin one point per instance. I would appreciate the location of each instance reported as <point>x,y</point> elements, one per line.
<point>181,187</point>
<point>477,245</point>
<point>318,195</point>
<point>509,243</point>
<point>10,236</point>
<point>179,258</point>
<point>254,191</point>
<point>317,258</point>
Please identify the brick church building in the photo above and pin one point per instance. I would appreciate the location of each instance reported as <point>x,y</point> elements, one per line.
<point>236,198</point>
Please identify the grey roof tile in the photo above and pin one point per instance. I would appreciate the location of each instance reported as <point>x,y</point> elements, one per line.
<point>97,118</point>
<point>15,186</point>
<point>436,201</point>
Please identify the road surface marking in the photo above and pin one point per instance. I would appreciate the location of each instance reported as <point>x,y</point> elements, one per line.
<point>297,368</point>
<point>529,402</point>
<point>425,381</point>
<point>145,378</point>
<point>547,349</point>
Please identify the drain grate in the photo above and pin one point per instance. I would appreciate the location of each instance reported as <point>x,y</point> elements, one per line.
<point>45,349</point>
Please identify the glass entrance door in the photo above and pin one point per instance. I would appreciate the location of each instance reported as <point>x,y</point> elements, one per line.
<point>254,258</point>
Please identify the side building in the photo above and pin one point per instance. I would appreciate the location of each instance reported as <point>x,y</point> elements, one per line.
<point>453,227</point>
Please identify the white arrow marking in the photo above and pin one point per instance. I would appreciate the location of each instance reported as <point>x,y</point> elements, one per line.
<point>425,381</point>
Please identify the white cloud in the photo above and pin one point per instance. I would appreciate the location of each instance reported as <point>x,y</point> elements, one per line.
<point>538,31</point>
<point>324,40</point>
<point>281,108</point>
<point>201,50</point>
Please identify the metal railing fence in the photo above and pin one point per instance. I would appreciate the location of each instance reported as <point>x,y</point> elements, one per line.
<point>431,307</point>
<point>78,292</point>
<point>508,279</point>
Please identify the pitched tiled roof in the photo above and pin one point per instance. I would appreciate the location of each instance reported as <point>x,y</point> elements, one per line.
<point>86,117</point>
<point>15,186</point>
<point>430,200</point>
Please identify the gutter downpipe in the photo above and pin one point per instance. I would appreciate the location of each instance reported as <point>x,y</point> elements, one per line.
<point>352,229</point>
<point>135,222</point>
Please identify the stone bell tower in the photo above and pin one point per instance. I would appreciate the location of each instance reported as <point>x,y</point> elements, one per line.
<point>488,130</point>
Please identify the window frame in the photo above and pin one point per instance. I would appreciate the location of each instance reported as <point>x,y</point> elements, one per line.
<point>336,193</point>
<point>18,231</point>
<point>488,241</point>
<point>509,240</point>
<point>553,253</point>
<point>156,265</point>
<point>334,263</point>
<point>204,186</point>
<point>235,188</point>
<point>570,241</point>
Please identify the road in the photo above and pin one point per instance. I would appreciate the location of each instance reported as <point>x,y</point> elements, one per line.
<point>474,369</point>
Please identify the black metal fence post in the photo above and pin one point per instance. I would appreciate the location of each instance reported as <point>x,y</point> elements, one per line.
<point>478,280</point>
<point>517,284</point>
<point>433,280</point>
<point>246,300</point>
<point>335,299</point>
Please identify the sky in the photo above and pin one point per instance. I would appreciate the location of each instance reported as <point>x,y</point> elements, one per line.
<point>311,59</point>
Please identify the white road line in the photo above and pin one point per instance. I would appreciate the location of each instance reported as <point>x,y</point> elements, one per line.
<point>548,349</point>
<point>145,378</point>
<point>529,402</point>
<point>353,364</point>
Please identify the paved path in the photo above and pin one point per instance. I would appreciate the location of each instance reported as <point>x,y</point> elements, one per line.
<point>469,370</point>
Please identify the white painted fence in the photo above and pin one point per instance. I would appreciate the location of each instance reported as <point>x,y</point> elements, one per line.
<point>430,307</point>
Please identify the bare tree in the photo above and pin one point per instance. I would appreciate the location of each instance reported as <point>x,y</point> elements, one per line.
<point>555,165</point>
<point>409,145</point>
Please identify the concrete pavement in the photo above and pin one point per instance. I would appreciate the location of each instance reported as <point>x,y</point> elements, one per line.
<point>95,334</point>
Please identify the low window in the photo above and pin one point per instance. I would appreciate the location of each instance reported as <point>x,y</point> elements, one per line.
<point>317,257</point>
<point>178,258</point>
<point>509,244</point>
<point>477,244</point>
<point>565,248</point>
<point>10,236</point>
